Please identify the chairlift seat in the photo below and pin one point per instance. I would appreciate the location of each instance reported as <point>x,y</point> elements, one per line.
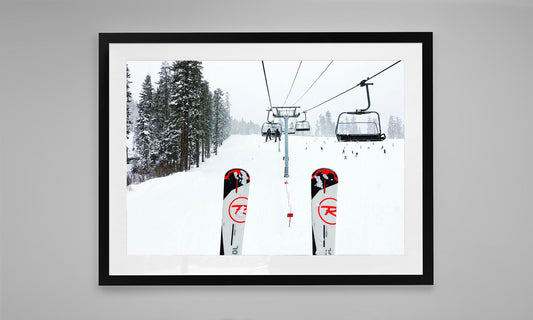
<point>360,137</point>
<point>348,130</point>
<point>303,126</point>
<point>270,125</point>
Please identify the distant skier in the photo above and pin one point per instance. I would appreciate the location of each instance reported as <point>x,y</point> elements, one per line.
<point>269,135</point>
<point>277,135</point>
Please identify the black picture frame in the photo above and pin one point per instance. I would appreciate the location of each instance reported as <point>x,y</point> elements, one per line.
<point>423,38</point>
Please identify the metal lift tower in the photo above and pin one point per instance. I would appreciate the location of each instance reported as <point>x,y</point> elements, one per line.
<point>286,113</point>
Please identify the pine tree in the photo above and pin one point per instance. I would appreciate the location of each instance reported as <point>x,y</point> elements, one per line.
<point>391,130</point>
<point>371,125</point>
<point>128,101</point>
<point>226,119</point>
<point>217,106</point>
<point>395,128</point>
<point>143,127</point>
<point>206,120</point>
<point>186,94</point>
<point>322,124</point>
<point>401,128</point>
<point>353,127</point>
<point>160,148</point>
<point>330,126</point>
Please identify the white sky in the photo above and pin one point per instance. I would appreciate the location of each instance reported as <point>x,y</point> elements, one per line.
<point>244,80</point>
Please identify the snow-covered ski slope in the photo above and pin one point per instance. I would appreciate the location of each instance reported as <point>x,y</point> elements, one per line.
<point>181,214</point>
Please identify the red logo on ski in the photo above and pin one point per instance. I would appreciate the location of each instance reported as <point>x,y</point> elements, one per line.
<point>237,209</point>
<point>327,210</point>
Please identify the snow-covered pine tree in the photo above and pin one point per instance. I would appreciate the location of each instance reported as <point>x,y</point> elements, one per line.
<point>243,127</point>
<point>252,128</point>
<point>401,128</point>
<point>371,126</point>
<point>206,115</point>
<point>128,100</point>
<point>195,130</point>
<point>217,107</point>
<point>392,128</point>
<point>160,150</point>
<point>330,126</point>
<point>143,127</point>
<point>226,128</point>
<point>354,128</point>
<point>322,124</point>
<point>236,126</point>
<point>317,128</point>
<point>395,128</point>
<point>186,93</point>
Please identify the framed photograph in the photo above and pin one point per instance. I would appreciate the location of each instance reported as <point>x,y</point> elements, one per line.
<point>265,159</point>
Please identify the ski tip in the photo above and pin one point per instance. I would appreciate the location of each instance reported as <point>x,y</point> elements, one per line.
<point>325,171</point>
<point>237,171</point>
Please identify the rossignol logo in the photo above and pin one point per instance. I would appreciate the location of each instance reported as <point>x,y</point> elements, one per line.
<point>237,209</point>
<point>327,211</point>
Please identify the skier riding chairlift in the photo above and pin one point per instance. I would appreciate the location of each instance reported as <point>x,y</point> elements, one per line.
<point>268,135</point>
<point>277,135</point>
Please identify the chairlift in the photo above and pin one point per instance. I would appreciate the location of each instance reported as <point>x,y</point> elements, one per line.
<point>286,112</point>
<point>351,126</point>
<point>270,125</point>
<point>291,129</point>
<point>303,125</point>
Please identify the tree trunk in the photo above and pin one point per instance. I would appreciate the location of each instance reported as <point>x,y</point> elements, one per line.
<point>197,150</point>
<point>184,148</point>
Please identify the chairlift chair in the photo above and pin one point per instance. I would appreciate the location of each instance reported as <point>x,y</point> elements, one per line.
<point>286,112</point>
<point>350,127</point>
<point>291,129</point>
<point>270,125</point>
<point>303,125</point>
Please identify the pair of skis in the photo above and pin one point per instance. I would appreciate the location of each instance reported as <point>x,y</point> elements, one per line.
<point>323,211</point>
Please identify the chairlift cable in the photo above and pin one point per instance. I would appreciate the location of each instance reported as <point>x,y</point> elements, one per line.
<point>293,81</point>
<point>323,71</point>
<point>360,84</point>
<point>392,65</point>
<point>266,82</point>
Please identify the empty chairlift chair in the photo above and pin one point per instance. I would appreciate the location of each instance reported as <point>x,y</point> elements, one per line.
<point>359,125</point>
<point>291,129</point>
<point>303,125</point>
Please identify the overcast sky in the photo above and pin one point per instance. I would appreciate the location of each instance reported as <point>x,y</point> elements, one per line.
<point>245,83</point>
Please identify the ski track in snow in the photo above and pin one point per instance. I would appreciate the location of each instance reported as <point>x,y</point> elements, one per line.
<point>181,214</point>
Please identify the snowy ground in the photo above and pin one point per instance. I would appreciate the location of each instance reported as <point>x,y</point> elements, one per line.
<point>182,213</point>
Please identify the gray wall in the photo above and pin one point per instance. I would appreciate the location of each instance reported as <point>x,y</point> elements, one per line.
<point>483,109</point>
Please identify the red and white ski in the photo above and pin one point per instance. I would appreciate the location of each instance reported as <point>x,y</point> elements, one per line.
<point>235,205</point>
<point>324,184</point>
